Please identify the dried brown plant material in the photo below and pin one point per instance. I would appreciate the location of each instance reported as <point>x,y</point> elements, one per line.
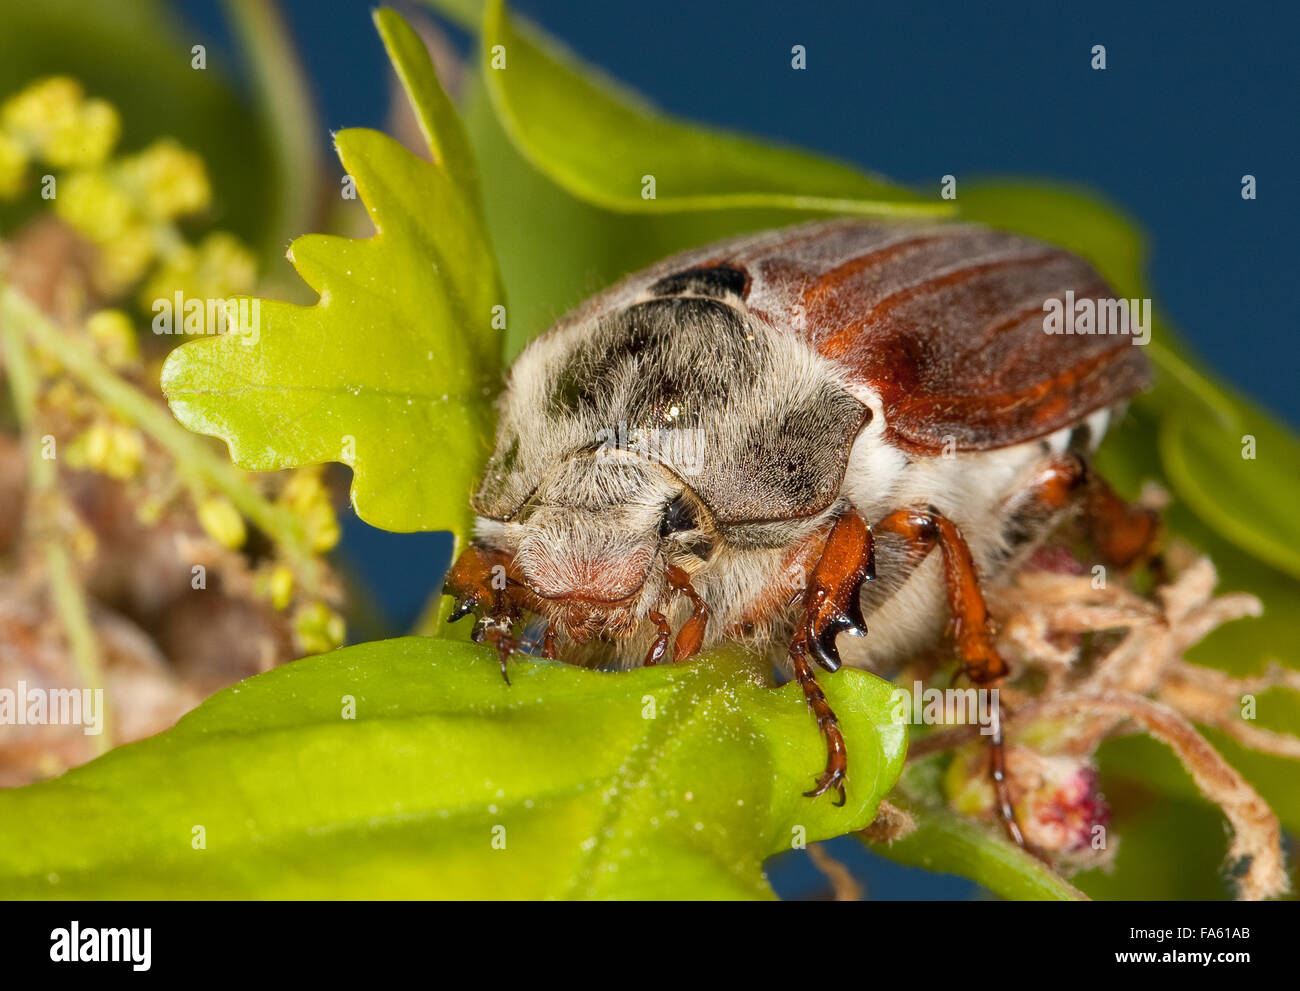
<point>1255,852</point>
<point>891,823</point>
<point>1215,699</point>
<point>1132,675</point>
<point>844,886</point>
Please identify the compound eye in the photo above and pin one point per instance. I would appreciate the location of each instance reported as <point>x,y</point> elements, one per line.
<point>679,516</point>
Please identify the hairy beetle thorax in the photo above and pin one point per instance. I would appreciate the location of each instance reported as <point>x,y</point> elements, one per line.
<point>743,413</point>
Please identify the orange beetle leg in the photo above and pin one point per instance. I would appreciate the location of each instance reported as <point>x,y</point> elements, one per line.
<point>832,605</point>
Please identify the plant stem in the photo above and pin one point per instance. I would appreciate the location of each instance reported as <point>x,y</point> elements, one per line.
<point>191,452</point>
<point>285,105</point>
<point>947,842</point>
<point>66,592</point>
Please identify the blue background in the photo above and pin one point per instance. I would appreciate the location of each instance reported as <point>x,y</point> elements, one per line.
<point>1190,101</point>
<point>1193,97</point>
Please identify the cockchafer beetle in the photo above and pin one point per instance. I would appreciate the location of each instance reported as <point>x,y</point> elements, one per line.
<point>764,439</point>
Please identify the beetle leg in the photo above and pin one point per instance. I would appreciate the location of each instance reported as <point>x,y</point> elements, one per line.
<point>479,581</point>
<point>832,605</point>
<point>497,630</point>
<point>923,529</point>
<point>659,646</point>
<point>832,599</point>
<point>980,660</point>
<point>1124,533</point>
<point>1001,791</point>
<point>691,635</point>
<point>837,758</point>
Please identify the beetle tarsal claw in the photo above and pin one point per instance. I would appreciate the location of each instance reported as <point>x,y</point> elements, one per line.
<point>460,609</point>
<point>498,631</point>
<point>828,780</point>
<point>822,645</point>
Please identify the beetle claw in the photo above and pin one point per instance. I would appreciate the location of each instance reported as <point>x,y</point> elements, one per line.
<point>461,609</point>
<point>479,633</point>
<point>857,623</point>
<point>832,778</point>
<point>822,646</point>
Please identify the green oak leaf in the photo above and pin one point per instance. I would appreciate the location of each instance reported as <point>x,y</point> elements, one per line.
<point>954,844</point>
<point>439,123</point>
<point>409,769</point>
<point>392,371</point>
<point>1241,478</point>
<point>599,140</point>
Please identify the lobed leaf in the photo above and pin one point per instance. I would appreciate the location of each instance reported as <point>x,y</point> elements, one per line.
<point>674,781</point>
<point>439,123</point>
<point>393,370</point>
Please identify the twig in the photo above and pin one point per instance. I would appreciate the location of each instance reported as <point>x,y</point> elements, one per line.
<point>66,593</point>
<point>285,105</point>
<point>844,886</point>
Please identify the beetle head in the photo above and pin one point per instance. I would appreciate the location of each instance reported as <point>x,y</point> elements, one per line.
<point>592,540</point>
